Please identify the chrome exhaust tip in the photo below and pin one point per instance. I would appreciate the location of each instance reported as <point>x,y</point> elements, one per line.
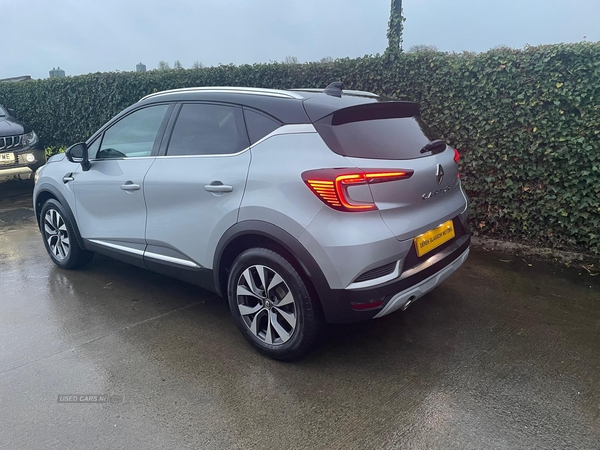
<point>408,303</point>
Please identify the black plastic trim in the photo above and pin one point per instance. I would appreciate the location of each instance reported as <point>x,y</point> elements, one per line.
<point>257,227</point>
<point>199,276</point>
<point>338,307</point>
<point>121,255</point>
<point>377,272</point>
<point>63,201</point>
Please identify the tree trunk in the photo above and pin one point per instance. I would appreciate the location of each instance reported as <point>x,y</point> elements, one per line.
<point>395,27</point>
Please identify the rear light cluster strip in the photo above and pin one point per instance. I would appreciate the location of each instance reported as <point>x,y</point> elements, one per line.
<point>331,185</point>
<point>456,159</point>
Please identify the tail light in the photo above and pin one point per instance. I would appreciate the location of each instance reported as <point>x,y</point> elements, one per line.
<point>456,159</point>
<point>331,185</point>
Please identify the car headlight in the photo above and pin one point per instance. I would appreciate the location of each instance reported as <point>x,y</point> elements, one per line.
<point>29,139</point>
<point>36,175</point>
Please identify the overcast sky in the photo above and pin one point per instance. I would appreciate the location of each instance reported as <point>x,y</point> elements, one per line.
<point>84,36</point>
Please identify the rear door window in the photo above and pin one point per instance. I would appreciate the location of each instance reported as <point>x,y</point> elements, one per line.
<point>376,133</point>
<point>207,129</point>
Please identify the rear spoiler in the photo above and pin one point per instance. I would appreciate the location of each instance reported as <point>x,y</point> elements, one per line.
<point>375,111</point>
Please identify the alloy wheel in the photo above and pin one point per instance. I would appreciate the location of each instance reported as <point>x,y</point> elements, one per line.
<point>57,235</point>
<point>266,305</point>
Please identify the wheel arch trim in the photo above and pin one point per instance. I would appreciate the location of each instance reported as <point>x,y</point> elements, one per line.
<point>265,229</point>
<point>63,202</point>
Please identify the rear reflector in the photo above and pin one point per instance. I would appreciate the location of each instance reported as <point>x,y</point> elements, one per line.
<point>331,185</point>
<point>371,304</point>
<point>456,156</point>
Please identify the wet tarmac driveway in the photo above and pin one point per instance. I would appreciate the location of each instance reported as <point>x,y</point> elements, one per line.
<point>502,355</point>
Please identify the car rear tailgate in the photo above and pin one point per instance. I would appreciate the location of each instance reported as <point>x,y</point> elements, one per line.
<point>427,199</point>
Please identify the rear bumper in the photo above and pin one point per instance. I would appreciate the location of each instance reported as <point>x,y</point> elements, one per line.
<point>405,298</point>
<point>412,284</point>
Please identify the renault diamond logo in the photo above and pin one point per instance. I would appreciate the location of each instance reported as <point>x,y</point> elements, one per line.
<point>440,174</point>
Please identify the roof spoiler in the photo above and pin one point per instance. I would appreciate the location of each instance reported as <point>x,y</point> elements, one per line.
<point>334,89</point>
<point>375,111</point>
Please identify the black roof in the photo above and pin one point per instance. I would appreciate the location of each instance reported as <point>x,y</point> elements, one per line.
<point>289,107</point>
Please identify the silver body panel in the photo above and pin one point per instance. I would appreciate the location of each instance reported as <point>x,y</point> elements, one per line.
<point>103,209</point>
<point>182,215</point>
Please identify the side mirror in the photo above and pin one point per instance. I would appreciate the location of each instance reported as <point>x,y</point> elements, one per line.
<point>78,153</point>
<point>11,112</point>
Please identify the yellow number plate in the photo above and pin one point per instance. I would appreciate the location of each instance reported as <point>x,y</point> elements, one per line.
<point>7,158</point>
<point>434,238</point>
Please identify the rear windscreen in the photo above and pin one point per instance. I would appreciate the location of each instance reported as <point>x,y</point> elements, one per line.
<point>368,135</point>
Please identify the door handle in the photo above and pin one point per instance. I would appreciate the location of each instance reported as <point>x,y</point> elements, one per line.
<point>217,186</point>
<point>68,177</point>
<point>129,186</point>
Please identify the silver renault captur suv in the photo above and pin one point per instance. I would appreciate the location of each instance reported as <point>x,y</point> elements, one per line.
<point>300,206</point>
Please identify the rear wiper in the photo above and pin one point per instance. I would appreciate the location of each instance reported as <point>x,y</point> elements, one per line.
<point>434,147</point>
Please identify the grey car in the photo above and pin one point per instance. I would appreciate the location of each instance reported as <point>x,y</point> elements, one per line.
<point>300,207</point>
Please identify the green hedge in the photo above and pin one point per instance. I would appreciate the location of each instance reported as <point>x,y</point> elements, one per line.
<point>527,123</point>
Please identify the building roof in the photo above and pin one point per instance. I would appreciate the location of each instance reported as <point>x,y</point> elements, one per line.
<point>15,79</point>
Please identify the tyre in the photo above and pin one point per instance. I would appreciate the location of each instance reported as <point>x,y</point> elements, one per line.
<point>272,306</point>
<point>59,237</point>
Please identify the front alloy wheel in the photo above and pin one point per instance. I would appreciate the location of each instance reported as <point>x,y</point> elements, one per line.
<point>57,235</point>
<point>60,238</point>
<point>266,305</point>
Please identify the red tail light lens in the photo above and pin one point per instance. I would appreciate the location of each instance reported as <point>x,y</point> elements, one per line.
<point>456,156</point>
<point>364,306</point>
<point>331,185</point>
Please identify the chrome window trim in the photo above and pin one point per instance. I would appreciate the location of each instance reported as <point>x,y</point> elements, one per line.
<point>285,129</point>
<point>228,90</point>
<point>132,158</point>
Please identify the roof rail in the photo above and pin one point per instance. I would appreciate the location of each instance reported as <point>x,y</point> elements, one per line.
<point>345,92</point>
<point>229,89</point>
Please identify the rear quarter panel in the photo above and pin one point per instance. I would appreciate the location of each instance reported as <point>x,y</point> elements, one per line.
<point>275,191</point>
